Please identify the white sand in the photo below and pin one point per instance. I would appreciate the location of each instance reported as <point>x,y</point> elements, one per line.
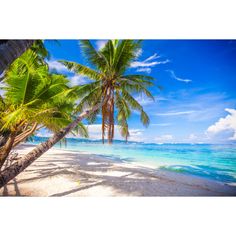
<point>66,173</point>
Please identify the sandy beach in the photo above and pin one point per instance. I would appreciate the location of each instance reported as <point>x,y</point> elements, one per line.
<point>67,173</point>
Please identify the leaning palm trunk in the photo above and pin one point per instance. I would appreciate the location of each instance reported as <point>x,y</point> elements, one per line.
<point>16,168</point>
<point>11,50</point>
<point>4,151</point>
<point>24,135</point>
<point>12,142</point>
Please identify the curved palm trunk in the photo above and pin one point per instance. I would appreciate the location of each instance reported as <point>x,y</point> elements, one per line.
<point>12,141</point>
<point>5,150</point>
<point>16,168</point>
<point>11,50</point>
<point>24,135</point>
<point>3,138</point>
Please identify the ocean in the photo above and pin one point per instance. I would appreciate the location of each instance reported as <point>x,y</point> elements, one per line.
<point>212,161</point>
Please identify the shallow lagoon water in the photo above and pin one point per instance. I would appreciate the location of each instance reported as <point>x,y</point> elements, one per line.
<point>213,161</point>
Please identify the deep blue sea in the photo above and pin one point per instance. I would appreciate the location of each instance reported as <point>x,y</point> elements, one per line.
<point>217,162</point>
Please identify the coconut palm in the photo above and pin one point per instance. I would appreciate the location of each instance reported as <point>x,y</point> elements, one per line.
<point>11,50</point>
<point>18,166</point>
<point>126,52</point>
<point>108,70</point>
<point>34,99</point>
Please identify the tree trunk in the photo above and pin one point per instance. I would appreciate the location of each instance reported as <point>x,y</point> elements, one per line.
<point>110,111</point>
<point>108,116</point>
<point>5,150</point>
<point>103,124</point>
<point>11,50</point>
<point>21,137</point>
<point>16,168</point>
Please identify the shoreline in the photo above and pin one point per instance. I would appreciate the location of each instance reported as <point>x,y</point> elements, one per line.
<point>140,164</point>
<point>61,172</point>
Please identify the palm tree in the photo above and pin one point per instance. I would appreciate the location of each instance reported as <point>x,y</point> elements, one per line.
<point>34,99</point>
<point>108,69</point>
<point>17,167</point>
<point>11,50</point>
<point>125,52</point>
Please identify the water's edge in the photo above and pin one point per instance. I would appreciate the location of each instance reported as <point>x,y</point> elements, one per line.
<point>212,162</point>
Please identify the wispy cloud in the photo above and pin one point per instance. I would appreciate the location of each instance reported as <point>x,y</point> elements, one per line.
<point>147,64</point>
<point>153,57</point>
<point>100,44</point>
<point>147,70</point>
<point>195,105</point>
<point>139,52</point>
<point>136,64</point>
<point>144,101</point>
<point>172,73</point>
<point>161,124</point>
<point>175,113</point>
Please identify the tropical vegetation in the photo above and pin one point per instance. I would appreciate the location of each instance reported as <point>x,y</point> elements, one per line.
<point>34,99</point>
<point>107,68</point>
<point>37,98</point>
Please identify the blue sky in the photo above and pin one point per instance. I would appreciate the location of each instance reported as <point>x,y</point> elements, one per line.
<point>198,99</point>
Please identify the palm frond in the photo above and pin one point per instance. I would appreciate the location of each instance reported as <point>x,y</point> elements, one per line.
<point>126,52</point>
<point>81,130</point>
<point>82,70</point>
<point>93,57</point>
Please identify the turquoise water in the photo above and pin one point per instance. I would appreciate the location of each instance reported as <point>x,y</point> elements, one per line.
<point>211,161</point>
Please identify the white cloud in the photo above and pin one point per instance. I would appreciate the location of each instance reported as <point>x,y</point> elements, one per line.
<point>100,44</point>
<point>44,133</point>
<point>176,113</point>
<point>148,63</point>
<point>227,123</point>
<point>148,70</point>
<point>136,64</point>
<point>195,138</point>
<point>172,73</point>
<point>95,132</point>
<point>74,79</point>
<point>78,80</point>
<point>55,65</point>
<point>163,138</point>
<point>136,135</point>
